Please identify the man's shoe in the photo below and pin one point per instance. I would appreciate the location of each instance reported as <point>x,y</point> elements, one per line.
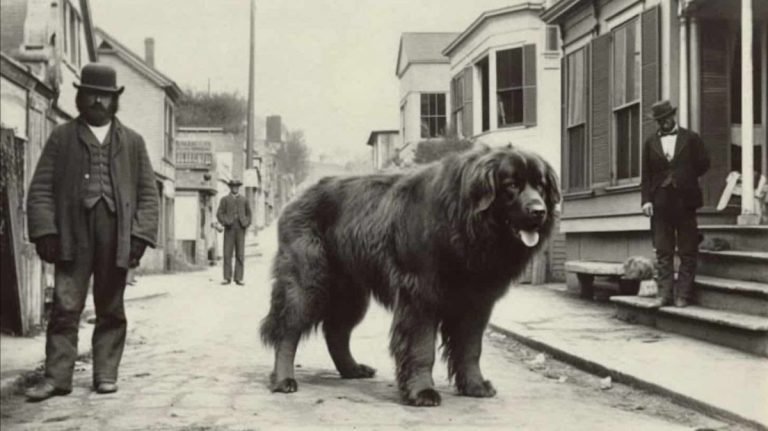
<point>682,302</point>
<point>225,282</point>
<point>106,388</point>
<point>43,391</point>
<point>661,302</point>
<point>240,282</point>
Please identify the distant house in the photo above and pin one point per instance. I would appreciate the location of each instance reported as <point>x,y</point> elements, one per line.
<point>385,147</point>
<point>42,48</point>
<point>148,106</point>
<point>504,76</point>
<point>423,72</point>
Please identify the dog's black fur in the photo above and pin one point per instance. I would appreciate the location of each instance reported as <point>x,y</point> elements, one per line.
<point>438,245</point>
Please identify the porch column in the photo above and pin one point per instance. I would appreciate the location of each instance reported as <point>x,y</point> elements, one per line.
<point>695,84</point>
<point>764,68</point>
<point>682,117</point>
<point>748,215</point>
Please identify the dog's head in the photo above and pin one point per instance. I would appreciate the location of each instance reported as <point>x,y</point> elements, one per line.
<point>515,189</point>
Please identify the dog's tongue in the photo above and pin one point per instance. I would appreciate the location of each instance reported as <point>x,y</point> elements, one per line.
<point>530,238</point>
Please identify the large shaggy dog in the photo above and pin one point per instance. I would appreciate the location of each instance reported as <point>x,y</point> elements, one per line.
<point>438,245</point>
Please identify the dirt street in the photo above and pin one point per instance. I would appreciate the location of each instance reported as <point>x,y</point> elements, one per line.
<point>194,362</point>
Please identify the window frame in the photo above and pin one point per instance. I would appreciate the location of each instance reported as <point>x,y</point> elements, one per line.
<point>430,116</point>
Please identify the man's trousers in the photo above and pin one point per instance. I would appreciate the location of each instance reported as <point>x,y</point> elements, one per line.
<point>95,256</point>
<point>674,226</point>
<point>234,241</point>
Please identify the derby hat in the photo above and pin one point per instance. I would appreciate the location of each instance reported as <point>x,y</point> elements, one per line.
<point>234,183</point>
<point>99,77</point>
<point>662,109</point>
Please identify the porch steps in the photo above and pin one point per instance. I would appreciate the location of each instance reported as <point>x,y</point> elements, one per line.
<point>747,297</point>
<point>744,238</point>
<point>739,265</point>
<point>740,331</point>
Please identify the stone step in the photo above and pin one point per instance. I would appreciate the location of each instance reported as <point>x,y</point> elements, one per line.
<point>747,297</point>
<point>744,238</point>
<point>737,265</point>
<point>740,331</point>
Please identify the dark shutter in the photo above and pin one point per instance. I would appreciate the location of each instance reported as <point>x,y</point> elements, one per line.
<point>601,109</point>
<point>715,121</point>
<point>467,111</point>
<point>564,152</point>
<point>529,85</point>
<point>651,68</point>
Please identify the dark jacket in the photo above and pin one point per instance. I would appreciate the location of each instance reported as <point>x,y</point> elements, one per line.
<point>55,204</point>
<point>232,209</point>
<point>689,163</point>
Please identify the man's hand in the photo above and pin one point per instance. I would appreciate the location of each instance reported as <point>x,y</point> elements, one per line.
<point>48,248</point>
<point>648,209</point>
<point>138,247</point>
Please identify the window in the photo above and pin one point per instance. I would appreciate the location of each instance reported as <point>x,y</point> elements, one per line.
<point>553,38</point>
<point>576,120</point>
<point>626,99</point>
<point>516,86</point>
<point>168,130</point>
<point>432,115</point>
<point>71,29</point>
<point>509,84</point>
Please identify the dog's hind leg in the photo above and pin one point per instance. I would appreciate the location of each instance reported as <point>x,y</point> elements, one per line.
<point>344,313</point>
<point>462,345</point>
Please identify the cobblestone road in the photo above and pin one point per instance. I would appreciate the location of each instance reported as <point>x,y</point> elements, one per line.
<point>194,361</point>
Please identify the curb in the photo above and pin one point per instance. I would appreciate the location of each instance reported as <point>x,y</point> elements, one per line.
<point>596,368</point>
<point>9,385</point>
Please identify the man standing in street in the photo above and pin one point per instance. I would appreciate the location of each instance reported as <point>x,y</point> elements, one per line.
<point>92,210</point>
<point>234,214</point>
<point>673,159</point>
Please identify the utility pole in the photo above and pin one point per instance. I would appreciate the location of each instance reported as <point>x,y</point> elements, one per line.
<point>249,140</point>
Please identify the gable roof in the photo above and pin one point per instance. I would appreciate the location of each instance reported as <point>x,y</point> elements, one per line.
<point>374,133</point>
<point>422,48</point>
<point>533,5</point>
<point>107,44</point>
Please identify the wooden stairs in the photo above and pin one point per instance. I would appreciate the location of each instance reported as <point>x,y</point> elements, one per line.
<point>731,296</point>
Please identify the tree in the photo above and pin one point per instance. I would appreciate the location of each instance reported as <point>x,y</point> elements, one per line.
<point>435,149</point>
<point>201,109</point>
<point>293,156</point>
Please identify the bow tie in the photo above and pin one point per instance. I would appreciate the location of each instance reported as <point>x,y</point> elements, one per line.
<point>670,133</point>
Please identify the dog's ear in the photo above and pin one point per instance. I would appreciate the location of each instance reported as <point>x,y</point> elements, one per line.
<point>478,184</point>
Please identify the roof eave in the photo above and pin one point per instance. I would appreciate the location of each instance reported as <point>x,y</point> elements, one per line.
<point>556,12</point>
<point>486,16</point>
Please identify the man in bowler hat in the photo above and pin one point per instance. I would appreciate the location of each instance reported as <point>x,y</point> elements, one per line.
<point>92,210</point>
<point>234,214</point>
<point>673,159</point>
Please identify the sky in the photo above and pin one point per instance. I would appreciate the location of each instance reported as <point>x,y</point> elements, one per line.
<point>326,66</point>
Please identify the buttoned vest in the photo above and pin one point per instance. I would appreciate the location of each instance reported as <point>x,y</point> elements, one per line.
<point>98,178</point>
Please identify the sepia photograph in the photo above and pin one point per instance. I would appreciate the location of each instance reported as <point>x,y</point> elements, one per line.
<point>234,215</point>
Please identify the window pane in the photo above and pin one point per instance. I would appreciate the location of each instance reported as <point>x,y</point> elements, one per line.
<point>509,68</point>
<point>619,67</point>
<point>440,126</point>
<point>424,127</point>
<point>577,156</point>
<point>441,104</point>
<point>628,142</point>
<point>510,110</point>
<point>424,104</point>
<point>577,91</point>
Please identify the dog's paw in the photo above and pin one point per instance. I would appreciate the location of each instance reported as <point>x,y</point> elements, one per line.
<point>286,386</point>
<point>360,371</point>
<point>425,398</point>
<point>482,389</point>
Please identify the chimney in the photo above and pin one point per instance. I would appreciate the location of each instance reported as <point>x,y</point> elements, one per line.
<point>149,51</point>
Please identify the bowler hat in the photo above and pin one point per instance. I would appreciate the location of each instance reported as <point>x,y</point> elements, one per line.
<point>99,77</point>
<point>234,183</point>
<point>662,109</point>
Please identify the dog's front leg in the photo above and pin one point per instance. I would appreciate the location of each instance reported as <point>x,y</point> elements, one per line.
<point>414,330</point>
<point>463,344</point>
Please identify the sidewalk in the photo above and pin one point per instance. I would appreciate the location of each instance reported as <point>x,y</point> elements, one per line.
<point>714,379</point>
<point>19,355</point>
